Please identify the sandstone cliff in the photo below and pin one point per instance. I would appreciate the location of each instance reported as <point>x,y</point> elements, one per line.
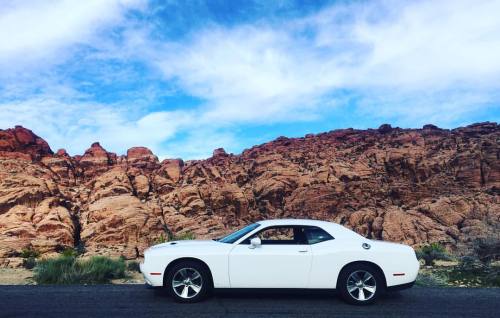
<point>403,185</point>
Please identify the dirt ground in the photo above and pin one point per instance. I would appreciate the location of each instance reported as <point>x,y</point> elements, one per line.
<point>133,278</point>
<point>16,276</point>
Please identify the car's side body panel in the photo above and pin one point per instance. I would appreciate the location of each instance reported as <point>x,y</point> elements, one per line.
<point>330,257</point>
<point>270,266</point>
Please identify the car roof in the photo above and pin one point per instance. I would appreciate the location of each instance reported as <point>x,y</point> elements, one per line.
<point>335,229</point>
<point>293,222</point>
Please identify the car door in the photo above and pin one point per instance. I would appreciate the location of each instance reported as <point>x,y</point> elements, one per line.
<point>283,260</point>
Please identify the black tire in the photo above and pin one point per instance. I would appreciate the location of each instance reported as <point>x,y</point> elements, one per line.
<point>361,278</point>
<point>197,288</point>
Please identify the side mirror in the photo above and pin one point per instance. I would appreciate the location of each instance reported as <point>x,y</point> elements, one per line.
<point>255,242</point>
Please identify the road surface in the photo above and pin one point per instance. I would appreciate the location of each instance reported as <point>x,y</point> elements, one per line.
<point>132,301</point>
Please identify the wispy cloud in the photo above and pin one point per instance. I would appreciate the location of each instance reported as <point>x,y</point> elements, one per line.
<point>400,50</point>
<point>77,72</point>
<point>76,125</point>
<point>40,31</point>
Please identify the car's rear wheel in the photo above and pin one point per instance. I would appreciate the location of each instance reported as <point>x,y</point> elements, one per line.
<point>360,284</point>
<point>188,282</point>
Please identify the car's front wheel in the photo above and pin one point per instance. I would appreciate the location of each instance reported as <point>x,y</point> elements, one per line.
<point>360,284</point>
<point>188,282</point>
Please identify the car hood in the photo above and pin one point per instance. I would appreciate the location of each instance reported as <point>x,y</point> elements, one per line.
<point>186,243</point>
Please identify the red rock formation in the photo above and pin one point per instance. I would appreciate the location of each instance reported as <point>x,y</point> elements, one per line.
<point>404,185</point>
<point>22,143</point>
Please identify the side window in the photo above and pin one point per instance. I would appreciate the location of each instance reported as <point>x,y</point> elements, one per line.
<point>316,235</point>
<point>276,234</point>
<point>281,235</point>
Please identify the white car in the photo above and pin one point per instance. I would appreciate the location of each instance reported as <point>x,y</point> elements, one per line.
<point>291,253</point>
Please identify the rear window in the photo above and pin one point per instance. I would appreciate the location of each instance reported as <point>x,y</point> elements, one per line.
<point>316,235</point>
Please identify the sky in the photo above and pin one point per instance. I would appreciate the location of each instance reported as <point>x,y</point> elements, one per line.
<point>185,77</point>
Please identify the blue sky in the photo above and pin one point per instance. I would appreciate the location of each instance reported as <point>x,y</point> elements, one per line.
<point>186,77</point>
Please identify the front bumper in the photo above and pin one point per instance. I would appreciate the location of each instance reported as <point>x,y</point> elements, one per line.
<point>152,279</point>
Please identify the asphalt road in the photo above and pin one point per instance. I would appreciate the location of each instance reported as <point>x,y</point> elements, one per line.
<point>137,301</point>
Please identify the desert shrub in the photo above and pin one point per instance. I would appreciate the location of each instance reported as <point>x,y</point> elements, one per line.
<point>161,239</point>
<point>471,263</point>
<point>471,271</point>
<point>54,270</point>
<point>431,279</point>
<point>30,252</point>
<point>29,256</point>
<point>29,263</point>
<point>69,270</point>
<point>69,252</point>
<point>477,268</point>
<point>184,236</point>
<point>170,237</point>
<point>133,266</point>
<point>487,249</point>
<point>432,252</point>
<point>99,269</point>
<point>493,276</point>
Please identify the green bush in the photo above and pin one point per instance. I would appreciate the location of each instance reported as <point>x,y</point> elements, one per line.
<point>487,249</point>
<point>471,271</point>
<point>54,270</point>
<point>29,263</point>
<point>430,279</point>
<point>69,270</point>
<point>30,255</point>
<point>69,252</point>
<point>433,252</point>
<point>471,264</point>
<point>133,266</point>
<point>30,252</point>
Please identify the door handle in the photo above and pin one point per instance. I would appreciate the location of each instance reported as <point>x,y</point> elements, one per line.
<point>303,251</point>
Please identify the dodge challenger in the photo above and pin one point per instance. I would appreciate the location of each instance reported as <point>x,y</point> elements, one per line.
<point>288,253</point>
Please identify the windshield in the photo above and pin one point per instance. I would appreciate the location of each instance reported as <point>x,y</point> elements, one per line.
<point>233,237</point>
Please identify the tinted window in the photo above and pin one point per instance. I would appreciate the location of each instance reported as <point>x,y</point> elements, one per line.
<point>276,235</point>
<point>316,235</point>
<point>284,234</point>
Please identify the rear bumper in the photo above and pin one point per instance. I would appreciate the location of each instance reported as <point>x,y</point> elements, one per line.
<point>401,286</point>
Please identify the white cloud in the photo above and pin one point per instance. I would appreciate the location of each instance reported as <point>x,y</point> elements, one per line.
<point>405,62</point>
<point>246,74</point>
<point>432,44</point>
<point>281,72</point>
<point>36,30</point>
<point>75,126</point>
<point>200,143</point>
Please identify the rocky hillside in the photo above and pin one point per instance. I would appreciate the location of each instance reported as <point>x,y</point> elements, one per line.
<point>403,185</point>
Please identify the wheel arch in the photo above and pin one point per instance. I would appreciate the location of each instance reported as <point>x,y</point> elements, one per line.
<point>186,259</point>
<point>372,264</point>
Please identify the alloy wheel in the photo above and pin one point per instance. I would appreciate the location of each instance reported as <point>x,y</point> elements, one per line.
<point>187,283</point>
<point>361,285</point>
